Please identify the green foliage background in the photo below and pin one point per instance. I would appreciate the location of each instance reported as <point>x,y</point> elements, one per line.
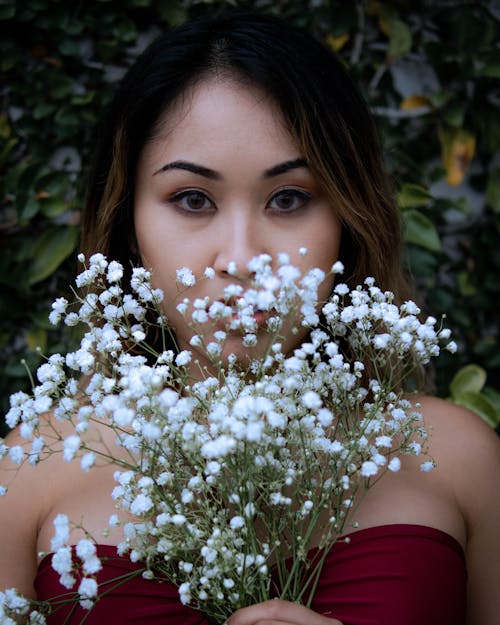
<point>429,69</point>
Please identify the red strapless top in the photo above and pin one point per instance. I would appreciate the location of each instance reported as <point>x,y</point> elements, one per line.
<point>386,575</point>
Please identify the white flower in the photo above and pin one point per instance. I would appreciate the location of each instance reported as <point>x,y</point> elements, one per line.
<point>325,417</point>
<point>394,465</point>
<point>123,416</point>
<point>381,341</point>
<point>16,454</point>
<point>249,510</point>
<point>209,273</point>
<point>254,431</point>
<point>71,446</point>
<point>219,447</point>
<point>184,593</point>
<point>88,460</point>
<point>88,588</point>
<point>62,563</point>
<point>183,358</point>
<point>61,525</point>
<point>208,554</point>
<point>427,466</point>
<point>114,521</point>
<point>383,441</point>
<point>369,468</point>
<point>312,400</point>
<point>115,271</point>
<point>237,522</point>
<point>341,289</point>
<point>58,308</point>
<point>141,504</point>
<point>187,496</point>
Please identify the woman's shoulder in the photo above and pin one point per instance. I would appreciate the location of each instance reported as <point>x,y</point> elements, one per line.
<point>466,451</point>
<point>467,455</point>
<point>456,431</point>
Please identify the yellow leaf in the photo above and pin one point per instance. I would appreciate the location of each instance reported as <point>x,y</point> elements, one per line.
<point>337,43</point>
<point>414,102</point>
<point>36,337</point>
<point>5,128</point>
<point>458,147</point>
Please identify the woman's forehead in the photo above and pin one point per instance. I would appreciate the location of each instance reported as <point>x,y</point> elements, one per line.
<point>216,115</point>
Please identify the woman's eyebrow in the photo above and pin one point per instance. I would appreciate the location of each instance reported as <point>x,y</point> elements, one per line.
<point>200,170</point>
<point>282,168</point>
<point>192,167</point>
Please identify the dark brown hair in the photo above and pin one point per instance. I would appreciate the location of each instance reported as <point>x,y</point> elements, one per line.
<point>323,109</point>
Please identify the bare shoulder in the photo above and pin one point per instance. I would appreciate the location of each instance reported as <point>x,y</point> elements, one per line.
<point>466,450</point>
<point>20,510</point>
<point>467,454</point>
<point>457,434</point>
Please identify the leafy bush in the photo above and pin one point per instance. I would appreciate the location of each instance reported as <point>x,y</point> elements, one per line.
<point>429,70</point>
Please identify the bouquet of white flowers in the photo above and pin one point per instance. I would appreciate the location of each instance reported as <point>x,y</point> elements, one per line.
<point>239,479</point>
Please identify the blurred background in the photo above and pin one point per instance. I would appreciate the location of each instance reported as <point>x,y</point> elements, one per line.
<point>430,72</point>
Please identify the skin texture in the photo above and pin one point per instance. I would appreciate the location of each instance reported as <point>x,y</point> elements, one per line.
<point>242,208</point>
<point>459,497</point>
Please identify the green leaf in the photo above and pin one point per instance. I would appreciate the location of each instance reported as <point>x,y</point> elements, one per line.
<point>454,114</point>
<point>420,230</point>
<point>469,379</point>
<point>481,405</point>
<point>7,147</point>
<point>493,190</point>
<point>466,286</point>
<point>488,63</point>
<point>43,109</point>
<point>7,11</point>
<point>413,195</point>
<point>400,38</point>
<point>173,13</point>
<point>53,206</point>
<point>68,47</point>
<point>493,395</point>
<point>52,248</point>
<point>29,210</point>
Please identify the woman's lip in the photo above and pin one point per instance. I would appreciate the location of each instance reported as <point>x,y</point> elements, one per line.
<point>260,316</point>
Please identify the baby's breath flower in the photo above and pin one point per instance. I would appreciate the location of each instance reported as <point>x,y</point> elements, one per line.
<point>185,277</point>
<point>427,466</point>
<point>369,469</point>
<point>209,457</point>
<point>183,358</point>
<point>394,465</point>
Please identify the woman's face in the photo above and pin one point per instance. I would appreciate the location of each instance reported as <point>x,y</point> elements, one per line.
<point>223,180</point>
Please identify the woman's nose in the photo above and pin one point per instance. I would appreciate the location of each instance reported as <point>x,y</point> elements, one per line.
<point>240,241</point>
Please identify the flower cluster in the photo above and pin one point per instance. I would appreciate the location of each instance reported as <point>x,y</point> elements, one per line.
<point>233,477</point>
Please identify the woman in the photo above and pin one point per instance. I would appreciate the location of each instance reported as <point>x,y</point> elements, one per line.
<point>232,137</point>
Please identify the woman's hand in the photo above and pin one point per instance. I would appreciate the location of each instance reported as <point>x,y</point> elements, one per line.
<point>279,612</point>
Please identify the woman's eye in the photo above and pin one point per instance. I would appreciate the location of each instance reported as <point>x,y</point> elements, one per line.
<point>192,201</point>
<point>289,200</point>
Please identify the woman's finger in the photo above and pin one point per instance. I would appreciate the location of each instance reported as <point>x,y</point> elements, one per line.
<point>279,612</point>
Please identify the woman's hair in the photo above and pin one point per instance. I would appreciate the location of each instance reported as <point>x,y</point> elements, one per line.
<point>323,110</point>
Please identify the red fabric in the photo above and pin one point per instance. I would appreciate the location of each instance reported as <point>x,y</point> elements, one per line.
<point>387,575</point>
